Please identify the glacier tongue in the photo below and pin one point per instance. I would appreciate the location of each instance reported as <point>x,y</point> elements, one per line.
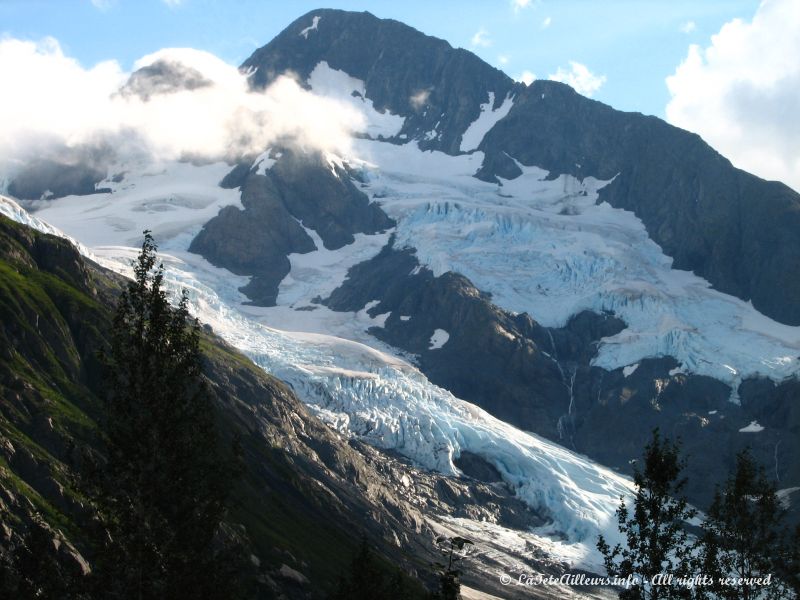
<point>390,404</point>
<point>539,246</point>
<point>547,248</point>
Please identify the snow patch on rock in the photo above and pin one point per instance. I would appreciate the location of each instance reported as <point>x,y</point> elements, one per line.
<point>438,339</point>
<point>338,85</point>
<point>488,117</point>
<point>754,427</point>
<point>629,370</point>
<point>263,162</point>
<point>313,27</point>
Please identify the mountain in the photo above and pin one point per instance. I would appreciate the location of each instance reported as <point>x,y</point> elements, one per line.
<point>733,230</point>
<point>489,298</point>
<point>433,86</point>
<point>301,504</point>
<point>301,483</point>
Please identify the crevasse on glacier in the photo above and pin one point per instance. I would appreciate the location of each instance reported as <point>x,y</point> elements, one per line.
<point>390,404</point>
<point>547,248</point>
<point>540,246</point>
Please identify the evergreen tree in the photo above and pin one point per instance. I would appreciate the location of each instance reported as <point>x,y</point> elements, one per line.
<point>455,550</point>
<point>656,540</point>
<point>742,534</point>
<point>790,565</point>
<point>163,488</point>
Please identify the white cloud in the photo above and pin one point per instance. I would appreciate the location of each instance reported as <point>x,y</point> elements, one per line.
<point>526,77</point>
<point>546,22</point>
<point>55,102</point>
<point>579,77</point>
<point>503,59</point>
<point>742,93</point>
<point>173,3</point>
<point>102,4</point>
<point>419,99</point>
<point>688,27</point>
<point>518,5</point>
<point>481,39</point>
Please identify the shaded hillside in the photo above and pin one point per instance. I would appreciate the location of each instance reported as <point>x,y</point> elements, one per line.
<point>301,503</point>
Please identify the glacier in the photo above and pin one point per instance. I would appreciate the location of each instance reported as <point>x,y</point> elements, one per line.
<point>387,402</point>
<point>547,248</point>
<point>539,245</point>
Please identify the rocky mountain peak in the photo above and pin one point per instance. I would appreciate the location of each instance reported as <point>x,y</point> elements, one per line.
<point>437,88</point>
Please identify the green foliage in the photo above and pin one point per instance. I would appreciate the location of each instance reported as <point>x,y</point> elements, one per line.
<point>656,538</point>
<point>742,535</point>
<point>163,489</point>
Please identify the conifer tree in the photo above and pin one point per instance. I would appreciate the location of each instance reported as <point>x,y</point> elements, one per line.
<point>790,566</point>
<point>656,541</point>
<point>742,535</point>
<point>163,488</point>
<point>455,549</point>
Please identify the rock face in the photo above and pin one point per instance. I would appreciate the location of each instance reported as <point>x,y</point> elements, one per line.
<point>297,193</point>
<point>436,87</point>
<point>734,229</point>
<point>163,77</point>
<point>52,179</point>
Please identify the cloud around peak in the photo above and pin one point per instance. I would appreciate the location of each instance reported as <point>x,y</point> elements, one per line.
<point>579,77</point>
<point>178,103</point>
<point>481,39</point>
<point>741,93</point>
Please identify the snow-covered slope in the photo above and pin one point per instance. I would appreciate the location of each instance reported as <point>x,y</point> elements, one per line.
<point>387,402</point>
<point>539,246</point>
<point>546,248</point>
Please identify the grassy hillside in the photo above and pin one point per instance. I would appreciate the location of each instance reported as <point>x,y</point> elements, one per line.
<point>304,500</point>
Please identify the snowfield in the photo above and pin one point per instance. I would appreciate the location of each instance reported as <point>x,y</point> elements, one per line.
<point>477,130</point>
<point>387,402</point>
<point>548,249</point>
<point>542,247</point>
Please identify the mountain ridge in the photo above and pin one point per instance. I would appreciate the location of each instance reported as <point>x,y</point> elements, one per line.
<point>684,191</point>
<point>369,261</point>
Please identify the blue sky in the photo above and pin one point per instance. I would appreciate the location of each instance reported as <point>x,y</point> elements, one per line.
<point>728,70</point>
<point>633,45</point>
